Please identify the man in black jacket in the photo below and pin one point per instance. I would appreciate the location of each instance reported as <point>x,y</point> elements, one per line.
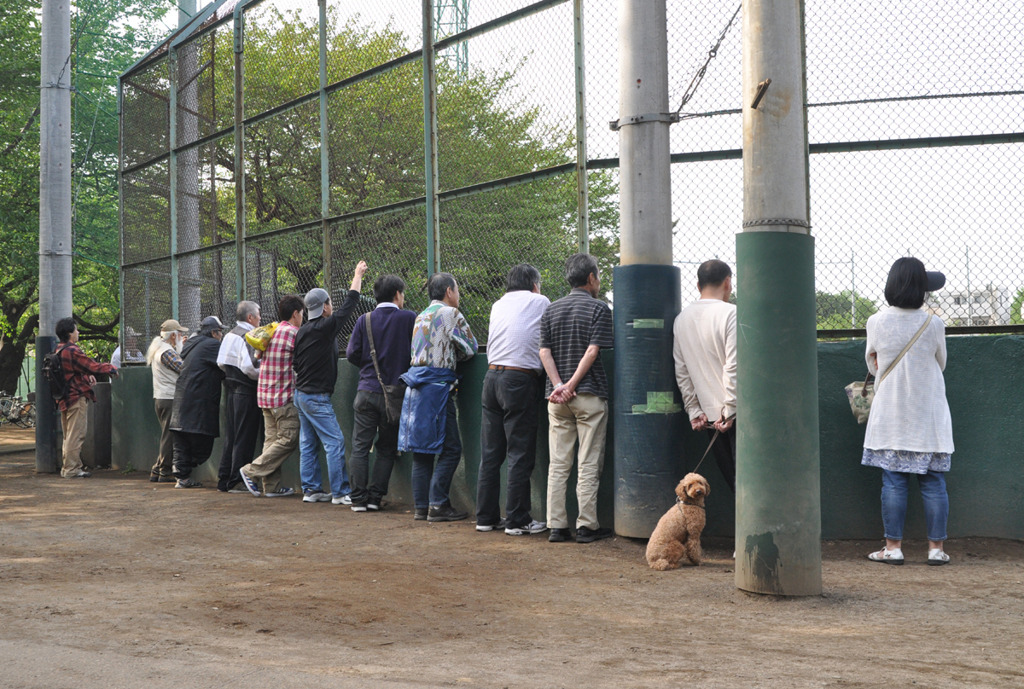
<point>195,419</point>
<point>316,373</point>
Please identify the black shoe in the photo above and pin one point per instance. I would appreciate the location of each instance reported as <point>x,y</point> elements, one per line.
<point>420,514</point>
<point>585,535</point>
<point>445,513</point>
<point>559,535</point>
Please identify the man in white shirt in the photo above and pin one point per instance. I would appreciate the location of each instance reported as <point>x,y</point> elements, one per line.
<point>164,356</point>
<point>510,399</point>
<point>242,414</point>
<point>704,349</point>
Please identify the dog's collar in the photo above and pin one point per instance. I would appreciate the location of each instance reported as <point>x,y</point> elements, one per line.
<point>680,501</point>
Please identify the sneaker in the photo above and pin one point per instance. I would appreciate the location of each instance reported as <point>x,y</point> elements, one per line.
<point>445,513</point>
<point>239,488</point>
<point>187,483</point>
<point>937,556</point>
<point>358,508</point>
<point>373,506</point>
<point>889,557</point>
<point>559,535</point>
<point>250,485</point>
<point>484,528</point>
<point>585,535</point>
<point>343,500</point>
<point>531,528</point>
<point>315,496</point>
<point>420,514</point>
<point>282,492</point>
<point>79,474</point>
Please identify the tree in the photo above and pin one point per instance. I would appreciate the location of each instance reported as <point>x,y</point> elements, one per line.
<point>834,310</point>
<point>1016,314</point>
<point>103,45</point>
<point>376,158</point>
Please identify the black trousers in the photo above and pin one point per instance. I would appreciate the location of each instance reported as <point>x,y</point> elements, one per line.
<point>724,451</point>
<point>371,423</point>
<point>243,422</point>
<point>190,450</point>
<point>508,430</point>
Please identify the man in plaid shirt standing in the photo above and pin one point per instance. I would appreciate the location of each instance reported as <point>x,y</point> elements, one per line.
<point>80,375</point>
<point>275,392</point>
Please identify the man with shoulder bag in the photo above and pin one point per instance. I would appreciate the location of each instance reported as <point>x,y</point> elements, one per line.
<point>379,346</point>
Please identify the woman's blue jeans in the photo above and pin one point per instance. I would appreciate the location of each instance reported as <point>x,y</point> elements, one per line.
<point>317,420</point>
<point>895,486</point>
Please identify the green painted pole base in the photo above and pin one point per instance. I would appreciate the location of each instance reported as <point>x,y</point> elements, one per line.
<point>778,505</point>
<point>647,413</point>
<point>49,455</point>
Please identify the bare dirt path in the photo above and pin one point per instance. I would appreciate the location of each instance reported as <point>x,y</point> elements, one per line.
<point>116,582</point>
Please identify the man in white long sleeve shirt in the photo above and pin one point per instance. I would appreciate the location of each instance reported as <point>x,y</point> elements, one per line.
<point>242,415</point>
<point>704,348</point>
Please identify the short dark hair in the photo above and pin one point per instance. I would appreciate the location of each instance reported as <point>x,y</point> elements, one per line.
<point>578,268</point>
<point>387,287</point>
<point>438,284</point>
<point>712,273</point>
<point>522,277</point>
<point>289,304</point>
<point>907,283</point>
<point>65,326</point>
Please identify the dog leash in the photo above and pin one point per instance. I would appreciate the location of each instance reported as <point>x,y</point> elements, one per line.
<point>713,439</point>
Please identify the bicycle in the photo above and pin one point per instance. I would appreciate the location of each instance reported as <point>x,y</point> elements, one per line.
<point>14,411</point>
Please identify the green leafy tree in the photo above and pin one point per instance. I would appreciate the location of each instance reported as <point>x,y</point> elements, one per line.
<point>834,310</point>
<point>103,45</point>
<point>1016,317</point>
<point>376,158</point>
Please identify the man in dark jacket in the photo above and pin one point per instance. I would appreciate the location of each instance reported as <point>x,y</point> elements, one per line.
<point>316,373</point>
<point>195,419</point>
<point>391,327</point>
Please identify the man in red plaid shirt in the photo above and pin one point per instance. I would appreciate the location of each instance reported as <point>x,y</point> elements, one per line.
<point>274,392</point>
<point>80,374</point>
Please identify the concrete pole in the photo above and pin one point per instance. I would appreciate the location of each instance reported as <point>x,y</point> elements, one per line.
<point>778,505</point>
<point>54,213</point>
<point>647,416</point>
<point>184,175</point>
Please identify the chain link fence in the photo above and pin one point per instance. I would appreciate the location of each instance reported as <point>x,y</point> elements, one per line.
<point>914,127</point>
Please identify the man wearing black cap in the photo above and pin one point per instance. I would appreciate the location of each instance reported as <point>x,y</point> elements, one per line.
<point>316,373</point>
<point>195,418</point>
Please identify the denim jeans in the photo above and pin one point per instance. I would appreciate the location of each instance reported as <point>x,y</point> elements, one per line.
<point>432,483</point>
<point>894,503</point>
<point>510,404</point>
<point>317,420</point>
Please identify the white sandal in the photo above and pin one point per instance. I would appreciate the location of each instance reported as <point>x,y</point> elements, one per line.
<point>889,557</point>
<point>937,556</point>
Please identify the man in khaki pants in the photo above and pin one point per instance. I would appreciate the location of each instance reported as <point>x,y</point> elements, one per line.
<point>275,392</point>
<point>572,332</point>
<point>79,376</point>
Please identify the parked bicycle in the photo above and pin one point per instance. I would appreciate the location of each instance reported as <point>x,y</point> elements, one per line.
<point>15,411</point>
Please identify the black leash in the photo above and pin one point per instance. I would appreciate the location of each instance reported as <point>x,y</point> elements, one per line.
<point>713,439</point>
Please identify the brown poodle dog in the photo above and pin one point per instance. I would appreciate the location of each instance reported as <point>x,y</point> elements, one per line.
<point>678,531</point>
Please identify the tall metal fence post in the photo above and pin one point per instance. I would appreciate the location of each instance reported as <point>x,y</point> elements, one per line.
<point>430,141</point>
<point>239,151</point>
<point>54,214</point>
<point>647,418</point>
<point>778,546</point>
<point>173,171</point>
<point>325,178</point>
<point>582,199</point>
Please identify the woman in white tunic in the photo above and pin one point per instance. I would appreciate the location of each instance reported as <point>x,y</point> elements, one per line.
<point>909,431</point>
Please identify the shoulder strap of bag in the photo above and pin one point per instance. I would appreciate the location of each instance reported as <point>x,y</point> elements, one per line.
<point>927,320</point>
<point>373,351</point>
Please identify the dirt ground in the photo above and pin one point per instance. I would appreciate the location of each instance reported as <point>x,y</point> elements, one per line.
<point>114,581</point>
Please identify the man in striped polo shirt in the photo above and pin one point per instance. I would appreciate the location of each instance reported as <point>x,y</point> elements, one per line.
<point>572,332</point>
<point>275,390</point>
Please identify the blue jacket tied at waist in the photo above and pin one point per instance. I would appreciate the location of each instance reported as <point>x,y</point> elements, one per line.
<point>421,428</point>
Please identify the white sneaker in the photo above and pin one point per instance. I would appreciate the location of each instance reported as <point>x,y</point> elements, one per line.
<point>343,500</point>
<point>316,496</point>
<point>937,556</point>
<point>531,528</point>
<point>358,508</point>
<point>889,557</point>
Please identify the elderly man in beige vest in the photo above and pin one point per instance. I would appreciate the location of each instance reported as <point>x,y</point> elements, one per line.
<point>164,356</point>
